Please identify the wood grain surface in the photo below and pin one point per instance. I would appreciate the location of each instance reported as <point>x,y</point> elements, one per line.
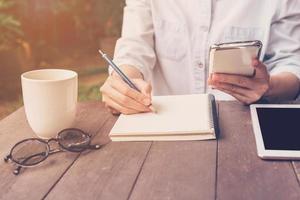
<point>296,166</point>
<point>227,168</point>
<point>240,173</point>
<point>35,183</point>
<point>108,173</point>
<point>178,170</point>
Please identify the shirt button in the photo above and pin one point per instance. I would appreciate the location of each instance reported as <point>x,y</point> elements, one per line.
<point>200,65</point>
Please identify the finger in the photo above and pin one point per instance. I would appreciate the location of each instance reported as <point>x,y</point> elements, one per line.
<point>255,62</point>
<point>113,111</point>
<point>123,100</point>
<point>251,95</point>
<point>239,97</point>
<point>260,68</point>
<point>237,80</point>
<point>145,87</point>
<point>114,105</point>
<point>110,109</point>
<point>209,80</point>
<point>123,88</point>
<point>233,88</point>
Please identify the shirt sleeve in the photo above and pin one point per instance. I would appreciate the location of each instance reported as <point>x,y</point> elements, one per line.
<point>283,50</point>
<point>136,45</point>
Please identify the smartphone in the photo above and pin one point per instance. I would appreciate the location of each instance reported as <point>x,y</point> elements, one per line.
<point>234,58</point>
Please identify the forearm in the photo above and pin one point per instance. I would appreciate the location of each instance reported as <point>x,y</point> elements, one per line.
<point>130,71</point>
<point>283,86</point>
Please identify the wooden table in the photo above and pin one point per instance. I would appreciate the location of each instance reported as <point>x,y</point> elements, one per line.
<point>227,168</point>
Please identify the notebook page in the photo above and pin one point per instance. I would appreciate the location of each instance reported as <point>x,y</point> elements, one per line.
<point>175,114</point>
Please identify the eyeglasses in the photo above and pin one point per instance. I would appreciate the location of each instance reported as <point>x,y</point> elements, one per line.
<point>31,152</point>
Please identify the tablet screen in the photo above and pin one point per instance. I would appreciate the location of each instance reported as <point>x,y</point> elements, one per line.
<point>280,128</point>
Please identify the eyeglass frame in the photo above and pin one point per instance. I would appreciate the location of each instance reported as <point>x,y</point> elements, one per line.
<point>49,151</point>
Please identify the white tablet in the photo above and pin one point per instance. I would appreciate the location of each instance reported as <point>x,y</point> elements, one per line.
<point>277,130</point>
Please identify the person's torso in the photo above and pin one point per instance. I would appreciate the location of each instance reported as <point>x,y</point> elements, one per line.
<point>184,31</point>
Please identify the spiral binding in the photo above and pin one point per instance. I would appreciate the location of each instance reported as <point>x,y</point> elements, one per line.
<point>213,120</point>
<point>211,99</point>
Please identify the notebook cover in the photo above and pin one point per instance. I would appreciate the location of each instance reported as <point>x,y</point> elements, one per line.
<point>179,117</point>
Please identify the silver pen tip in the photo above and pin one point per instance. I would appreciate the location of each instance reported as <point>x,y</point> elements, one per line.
<point>101,52</point>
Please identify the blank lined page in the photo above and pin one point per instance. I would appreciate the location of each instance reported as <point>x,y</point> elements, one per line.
<point>175,115</point>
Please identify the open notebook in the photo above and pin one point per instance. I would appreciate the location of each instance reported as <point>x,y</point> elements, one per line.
<point>180,117</point>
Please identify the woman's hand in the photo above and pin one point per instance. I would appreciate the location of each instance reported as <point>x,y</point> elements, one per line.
<point>120,98</point>
<point>245,89</point>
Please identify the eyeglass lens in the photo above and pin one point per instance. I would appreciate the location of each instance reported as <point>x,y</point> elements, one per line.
<point>30,152</point>
<point>73,139</point>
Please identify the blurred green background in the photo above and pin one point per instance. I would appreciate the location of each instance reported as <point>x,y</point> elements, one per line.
<point>36,34</point>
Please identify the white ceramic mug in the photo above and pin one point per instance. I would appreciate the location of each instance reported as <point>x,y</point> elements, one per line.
<point>50,98</point>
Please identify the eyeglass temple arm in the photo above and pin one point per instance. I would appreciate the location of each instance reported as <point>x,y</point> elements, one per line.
<point>19,167</point>
<point>53,151</point>
<point>90,146</point>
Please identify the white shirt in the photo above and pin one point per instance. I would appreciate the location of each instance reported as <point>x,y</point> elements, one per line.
<point>169,40</point>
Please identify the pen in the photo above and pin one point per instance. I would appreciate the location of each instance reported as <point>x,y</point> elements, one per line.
<point>122,75</point>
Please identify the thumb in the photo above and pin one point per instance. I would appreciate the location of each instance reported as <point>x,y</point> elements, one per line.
<point>144,86</point>
<point>260,68</point>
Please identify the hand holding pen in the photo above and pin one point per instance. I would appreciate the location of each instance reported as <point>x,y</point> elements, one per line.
<point>122,94</point>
